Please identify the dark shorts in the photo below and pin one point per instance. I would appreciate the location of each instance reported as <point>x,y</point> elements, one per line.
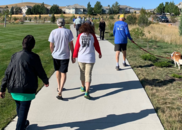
<point>61,65</point>
<point>120,47</point>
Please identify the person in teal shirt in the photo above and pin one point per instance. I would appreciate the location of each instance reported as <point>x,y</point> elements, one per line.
<point>21,80</point>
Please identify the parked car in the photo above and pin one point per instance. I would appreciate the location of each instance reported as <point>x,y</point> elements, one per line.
<point>162,19</point>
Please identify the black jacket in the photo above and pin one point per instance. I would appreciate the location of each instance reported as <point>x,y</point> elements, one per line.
<point>21,74</point>
<point>102,26</point>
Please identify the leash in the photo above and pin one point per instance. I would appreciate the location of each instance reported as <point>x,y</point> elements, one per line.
<point>151,53</point>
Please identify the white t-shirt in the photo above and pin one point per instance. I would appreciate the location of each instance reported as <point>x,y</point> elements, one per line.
<point>61,38</point>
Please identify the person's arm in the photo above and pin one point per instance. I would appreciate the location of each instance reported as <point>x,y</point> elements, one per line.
<point>5,80</point>
<point>51,47</point>
<point>128,33</point>
<point>77,46</point>
<point>97,46</point>
<point>72,50</point>
<point>99,25</point>
<point>114,30</point>
<point>40,71</point>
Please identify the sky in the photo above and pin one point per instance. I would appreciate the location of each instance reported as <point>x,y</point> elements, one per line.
<point>147,4</point>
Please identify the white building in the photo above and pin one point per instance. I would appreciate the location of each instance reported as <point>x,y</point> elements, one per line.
<point>179,5</point>
<point>105,9</point>
<point>75,9</point>
<point>25,8</point>
<point>126,9</point>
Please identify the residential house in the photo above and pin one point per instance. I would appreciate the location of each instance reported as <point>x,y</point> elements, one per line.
<point>179,6</point>
<point>105,9</point>
<point>75,9</point>
<point>125,9</point>
<point>25,8</point>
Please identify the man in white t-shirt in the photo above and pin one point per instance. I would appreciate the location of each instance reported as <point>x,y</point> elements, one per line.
<point>61,42</point>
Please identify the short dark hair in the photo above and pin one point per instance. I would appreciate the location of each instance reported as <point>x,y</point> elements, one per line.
<point>28,42</point>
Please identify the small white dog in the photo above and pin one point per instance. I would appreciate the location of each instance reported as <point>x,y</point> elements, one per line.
<point>176,57</point>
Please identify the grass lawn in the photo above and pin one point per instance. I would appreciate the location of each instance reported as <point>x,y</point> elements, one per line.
<point>164,90</point>
<point>10,42</point>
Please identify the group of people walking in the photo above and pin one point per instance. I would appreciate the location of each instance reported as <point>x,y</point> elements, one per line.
<point>25,66</point>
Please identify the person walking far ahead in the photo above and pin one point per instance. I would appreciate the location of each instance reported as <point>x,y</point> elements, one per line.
<point>60,39</point>
<point>83,20</point>
<point>21,80</point>
<point>88,21</point>
<point>102,26</point>
<point>85,47</point>
<point>77,24</point>
<point>121,33</point>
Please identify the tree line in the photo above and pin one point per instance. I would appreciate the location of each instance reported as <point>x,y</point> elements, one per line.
<point>97,9</point>
<point>168,7</point>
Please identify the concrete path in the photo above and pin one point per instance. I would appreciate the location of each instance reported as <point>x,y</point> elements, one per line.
<point>119,103</point>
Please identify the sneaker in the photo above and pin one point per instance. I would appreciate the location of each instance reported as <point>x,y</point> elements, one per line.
<point>26,124</point>
<point>117,68</point>
<point>82,89</point>
<point>124,64</point>
<point>87,96</point>
<point>59,97</point>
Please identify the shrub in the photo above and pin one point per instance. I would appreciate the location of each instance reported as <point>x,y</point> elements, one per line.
<point>14,18</point>
<point>131,19</point>
<point>35,18</point>
<point>173,19</point>
<point>110,25</point>
<point>143,21</point>
<point>118,16</point>
<point>30,19</point>
<point>176,76</point>
<point>111,17</point>
<point>62,16</point>
<point>53,18</point>
<point>111,34</point>
<point>162,64</point>
<point>137,33</point>
<point>39,16</point>
<point>149,57</point>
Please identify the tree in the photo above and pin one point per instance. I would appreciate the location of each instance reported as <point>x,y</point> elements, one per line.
<point>36,9</point>
<point>166,10</point>
<point>160,8</point>
<point>88,6</point>
<point>171,7</point>
<point>110,11</point>
<point>98,8</point>
<point>180,26</point>
<point>43,9</point>
<point>116,8</point>
<point>131,19</point>
<point>90,11</point>
<point>28,11</point>
<point>143,21</point>
<point>12,10</point>
<point>176,10</point>
<point>143,11</point>
<point>55,10</point>
<point>53,18</point>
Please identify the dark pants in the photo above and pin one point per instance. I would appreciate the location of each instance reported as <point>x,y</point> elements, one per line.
<point>77,29</point>
<point>102,34</point>
<point>22,108</point>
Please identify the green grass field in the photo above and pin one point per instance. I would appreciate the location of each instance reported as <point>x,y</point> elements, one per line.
<point>10,42</point>
<point>164,91</point>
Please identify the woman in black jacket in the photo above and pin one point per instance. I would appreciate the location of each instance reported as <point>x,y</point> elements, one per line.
<point>21,79</point>
<point>102,26</point>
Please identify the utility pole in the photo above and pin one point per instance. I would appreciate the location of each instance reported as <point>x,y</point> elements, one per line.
<point>5,21</point>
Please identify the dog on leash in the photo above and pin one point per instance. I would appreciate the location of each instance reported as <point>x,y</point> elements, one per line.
<point>176,57</point>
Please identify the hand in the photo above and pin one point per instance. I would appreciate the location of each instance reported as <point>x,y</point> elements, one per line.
<point>132,41</point>
<point>73,60</point>
<point>46,85</point>
<point>2,94</point>
<point>100,56</point>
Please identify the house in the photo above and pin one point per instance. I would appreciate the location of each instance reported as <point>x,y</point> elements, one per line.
<point>2,9</point>
<point>105,9</point>
<point>125,9</point>
<point>179,6</point>
<point>75,9</point>
<point>25,8</point>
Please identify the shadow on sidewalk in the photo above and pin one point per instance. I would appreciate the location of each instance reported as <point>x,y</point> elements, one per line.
<point>100,123</point>
<point>121,86</point>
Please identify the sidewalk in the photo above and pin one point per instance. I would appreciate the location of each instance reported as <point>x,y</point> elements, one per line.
<point>119,100</point>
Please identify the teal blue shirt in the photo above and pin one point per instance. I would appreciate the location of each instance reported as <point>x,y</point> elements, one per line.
<point>22,96</point>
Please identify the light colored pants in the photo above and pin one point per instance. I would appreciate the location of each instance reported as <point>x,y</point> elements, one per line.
<point>86,71</point>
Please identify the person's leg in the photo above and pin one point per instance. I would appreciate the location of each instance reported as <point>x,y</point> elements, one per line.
<point>58,76</point>
<point>103,35</point>
<point>88,78</point>
<point>63,80</point>
<point>100,34</point>
<point>17,106</point>
<point>124,56</point>
<point>82,75</point>
<point>117,58</point>
<point>23,112</point>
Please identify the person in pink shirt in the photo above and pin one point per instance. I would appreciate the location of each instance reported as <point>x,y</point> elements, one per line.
<point>85,47</point>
